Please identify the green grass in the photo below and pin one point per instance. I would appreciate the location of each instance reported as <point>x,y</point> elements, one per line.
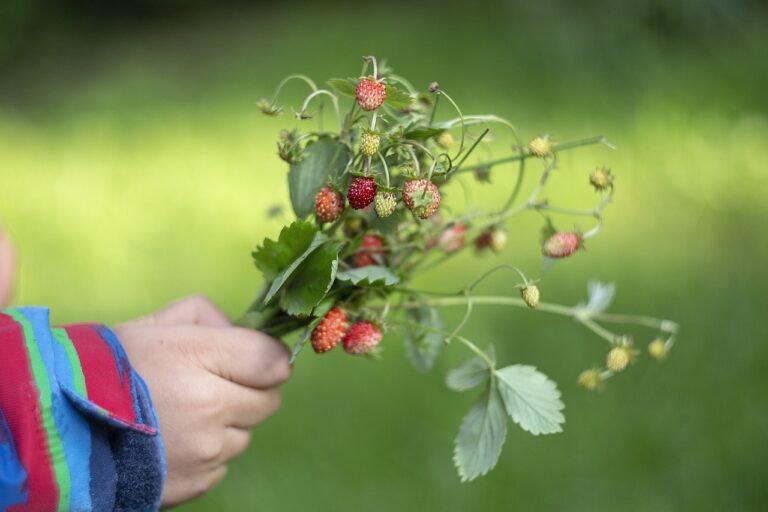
<point>136,169</point>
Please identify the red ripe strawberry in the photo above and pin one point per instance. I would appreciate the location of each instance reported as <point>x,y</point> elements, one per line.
<point>369,249</point>
<point>423,205</point>
<point>562,244</point>
<point>361,192</point>
<point>330,331</point>
<point>329,204</point>
<point>370,93</point>
<point>362,338</point>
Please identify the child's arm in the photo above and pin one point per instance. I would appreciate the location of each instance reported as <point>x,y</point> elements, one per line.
<point>77,428</point>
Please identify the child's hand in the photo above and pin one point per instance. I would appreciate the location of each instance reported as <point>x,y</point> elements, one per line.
<point>210,384</point>
<point>7,269</point>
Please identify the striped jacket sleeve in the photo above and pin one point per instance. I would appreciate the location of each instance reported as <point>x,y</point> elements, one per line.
<point>77,427</point>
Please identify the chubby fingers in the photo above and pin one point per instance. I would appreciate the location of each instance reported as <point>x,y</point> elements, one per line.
<point>193,310</point>
<point>244,407</point>
<point>243,356</point>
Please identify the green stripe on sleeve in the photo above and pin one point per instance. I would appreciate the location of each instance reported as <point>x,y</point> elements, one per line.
<point>78,378</point>
<point>40,374</point>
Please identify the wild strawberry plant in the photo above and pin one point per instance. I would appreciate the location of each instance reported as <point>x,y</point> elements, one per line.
<point>367,197</point>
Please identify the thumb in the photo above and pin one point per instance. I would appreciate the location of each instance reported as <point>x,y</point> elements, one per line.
<point>7,269</point>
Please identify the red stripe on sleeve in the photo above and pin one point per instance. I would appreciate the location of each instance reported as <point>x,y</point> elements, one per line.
<point>103,382</point>
<point>20,402</point>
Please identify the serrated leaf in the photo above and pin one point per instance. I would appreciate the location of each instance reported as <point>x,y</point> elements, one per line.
<point>397,98</point>
<point>343,86</point>
<point>312,280</point>
<point>280,279</point>
<point>322,161</point>
<point>370,275</point>
<point>531,399</point>
<point>421,344</point>
<point>471,373</point>
<point>272,257</point>
<point>481,436</point>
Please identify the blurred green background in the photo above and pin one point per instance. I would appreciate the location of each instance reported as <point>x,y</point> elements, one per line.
<point>135,169</point>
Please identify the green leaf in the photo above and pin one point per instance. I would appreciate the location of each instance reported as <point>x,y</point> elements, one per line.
<point>312,279</point>
<point>481,436</point>
<point>531,399</point>
<point>471,373</point>
<point>370,275</point>
<point>387,225</point>
<point>397,98</point>
<point>343,86</point>
<point>423,345</point>
<point>422,133</point>
<point>274,256</point>
<point>322,161</point>
<point>280,279</point>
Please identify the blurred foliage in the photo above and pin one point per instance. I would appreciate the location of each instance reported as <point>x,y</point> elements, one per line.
<point>136,168</point>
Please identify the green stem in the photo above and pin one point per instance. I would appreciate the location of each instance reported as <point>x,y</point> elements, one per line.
<point>557,147</point>
<point>647,321</point>
<point>471,149</point>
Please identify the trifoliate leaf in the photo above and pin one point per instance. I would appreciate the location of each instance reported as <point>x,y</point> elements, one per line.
<point>481,436</point>
<point>343,86</point>
<point>322,161</point>
<point>312,279</point>
<point>422,344</point>
<point>280,279</point>
<point>370,275</point>
<point>272,257</point>
<point>531,399</point>
<point>397,98</point>
<point>470,374</point>
<point>600,298</point>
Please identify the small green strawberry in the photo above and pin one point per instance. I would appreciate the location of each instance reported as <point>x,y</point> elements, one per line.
<point>385,203</point>
<point>369,143</point>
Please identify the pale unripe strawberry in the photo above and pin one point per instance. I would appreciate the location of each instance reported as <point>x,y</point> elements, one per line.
<point>370,93</point>
<point>361,192</point>
<point>601,179</point>
<point>330,331</point>
<point>540,147</point>
<point>618,359</point>
<point>329,204</point>
<point>362,338</point>
<point>531,295</point>
<point>658,349</point>
<point>369,143</point>
<point>562,244</point>
<point>445,140</point>
<point>492,238</point>
<point>385,203</point>
<point>452,239</point>
<point>590,379</point>
<point>371,248</point>
<point>422,197</point>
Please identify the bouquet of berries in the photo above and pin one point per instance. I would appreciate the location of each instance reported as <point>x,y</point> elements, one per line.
<point>367,200</point>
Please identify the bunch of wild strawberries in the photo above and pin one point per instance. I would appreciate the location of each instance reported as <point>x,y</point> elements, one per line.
<point>369,217</point>
<point>394,160</point>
